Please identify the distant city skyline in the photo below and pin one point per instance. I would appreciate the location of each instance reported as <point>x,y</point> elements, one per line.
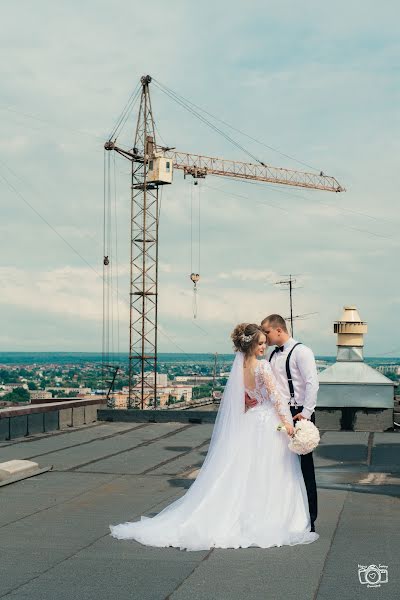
<point>17,358</point>
<point>317,84</point>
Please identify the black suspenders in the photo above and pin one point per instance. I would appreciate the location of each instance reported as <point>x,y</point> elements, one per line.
<point>288,373</point>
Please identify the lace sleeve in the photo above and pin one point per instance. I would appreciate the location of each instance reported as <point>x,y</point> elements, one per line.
<point>279,403</point>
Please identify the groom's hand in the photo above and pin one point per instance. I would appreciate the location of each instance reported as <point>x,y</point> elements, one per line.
<point>249,402</point>
<point>299,416</point>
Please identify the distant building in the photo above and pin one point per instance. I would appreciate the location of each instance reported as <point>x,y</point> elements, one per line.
<point>389,369</point>
<point>162,379</point>
<point>321,364</point>
<point>177,391</point>
<point>194,379</point>
<point>166,395</point>
<point>9,387</point>
<point>120,400</point>
<point>71,390</point>
<point>40,395</point>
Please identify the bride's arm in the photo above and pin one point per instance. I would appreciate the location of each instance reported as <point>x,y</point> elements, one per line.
<point>280,405</point>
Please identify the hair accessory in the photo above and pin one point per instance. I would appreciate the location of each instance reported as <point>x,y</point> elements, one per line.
<point>246,338</point>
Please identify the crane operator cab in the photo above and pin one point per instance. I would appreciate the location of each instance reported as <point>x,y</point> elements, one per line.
<point>160,170</point>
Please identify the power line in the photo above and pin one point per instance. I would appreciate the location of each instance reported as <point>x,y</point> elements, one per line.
<point>50,122</point>
<point>244,197</point>
<point>10,185</point>
<point>340,209</point>
<point>387,353</point>
<point>42,218</point>
<point>282,190</point>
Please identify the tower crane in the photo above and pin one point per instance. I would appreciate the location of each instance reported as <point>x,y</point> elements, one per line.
<point>151,167</point>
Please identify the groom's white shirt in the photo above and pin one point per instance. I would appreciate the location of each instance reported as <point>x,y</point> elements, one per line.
<point>304,376</point>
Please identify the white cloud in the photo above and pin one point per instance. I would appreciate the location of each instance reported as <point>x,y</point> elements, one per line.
<point>64,291</point>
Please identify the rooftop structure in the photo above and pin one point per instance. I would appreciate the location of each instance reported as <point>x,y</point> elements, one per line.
<point>350,381</point>
<point>350,335</point>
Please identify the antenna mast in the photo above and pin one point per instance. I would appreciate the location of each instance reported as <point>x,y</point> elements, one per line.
<point>289,282</point>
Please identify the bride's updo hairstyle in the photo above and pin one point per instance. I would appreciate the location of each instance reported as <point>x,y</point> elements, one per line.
<point>245,337</point>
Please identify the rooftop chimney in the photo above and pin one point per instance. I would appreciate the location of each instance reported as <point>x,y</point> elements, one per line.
<point>350,331</point>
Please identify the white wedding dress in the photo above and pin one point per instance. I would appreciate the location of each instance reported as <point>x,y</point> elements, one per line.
<point>250,490</point>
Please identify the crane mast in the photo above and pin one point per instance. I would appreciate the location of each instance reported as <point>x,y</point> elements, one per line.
<point>143,261</point>
<point>144,218</point>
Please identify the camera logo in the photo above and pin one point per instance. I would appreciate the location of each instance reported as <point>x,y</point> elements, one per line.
<point>373,575</point>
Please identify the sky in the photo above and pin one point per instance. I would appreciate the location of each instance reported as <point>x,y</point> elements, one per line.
<point>317,82</point>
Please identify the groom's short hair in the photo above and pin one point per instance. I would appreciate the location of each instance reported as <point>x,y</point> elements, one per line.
<point>275,321</point>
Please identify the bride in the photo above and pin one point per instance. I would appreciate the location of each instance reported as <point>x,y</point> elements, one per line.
<point>250,489</point>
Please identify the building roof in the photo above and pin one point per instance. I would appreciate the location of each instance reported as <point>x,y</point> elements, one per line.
<point>353,373</point>
<point>113,472</point>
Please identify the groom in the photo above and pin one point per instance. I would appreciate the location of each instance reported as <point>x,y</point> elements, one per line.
<point>293,365</point>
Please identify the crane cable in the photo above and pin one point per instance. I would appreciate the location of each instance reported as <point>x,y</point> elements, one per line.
<point>106,282</point>
<point>195,244</point>
<point>110,274</point>
<point>207,122</point>
<point>116,255</point>
<point>126,111</point>
<point>111,324</point>
<point>236,129</point>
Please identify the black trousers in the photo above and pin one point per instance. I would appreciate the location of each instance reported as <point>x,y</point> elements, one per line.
<point>307,468</point>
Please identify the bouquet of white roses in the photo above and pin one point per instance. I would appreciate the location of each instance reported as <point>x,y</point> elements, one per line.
<point>305,438</point>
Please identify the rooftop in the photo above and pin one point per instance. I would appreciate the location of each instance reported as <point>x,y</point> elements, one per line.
<point>56,542</point>
<point>356,372</point>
